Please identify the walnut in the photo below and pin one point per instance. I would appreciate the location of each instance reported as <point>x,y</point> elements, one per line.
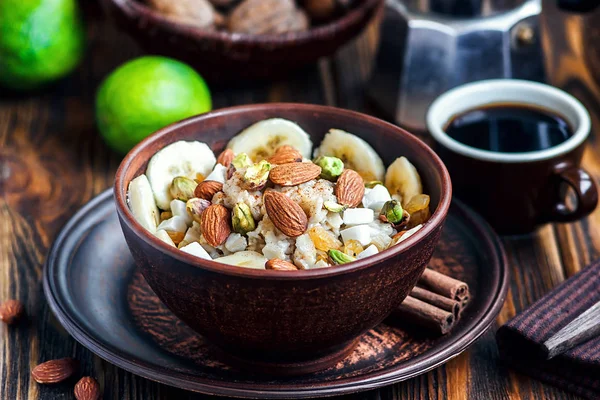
<point>198,13</point>
<point>267,17</point>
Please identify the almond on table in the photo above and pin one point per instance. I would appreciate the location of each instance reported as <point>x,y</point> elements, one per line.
<point>11,311</point>
<point>262,204</point>
<point>55,371</point>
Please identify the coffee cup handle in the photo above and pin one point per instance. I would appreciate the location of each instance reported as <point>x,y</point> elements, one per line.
<point>585,190</point>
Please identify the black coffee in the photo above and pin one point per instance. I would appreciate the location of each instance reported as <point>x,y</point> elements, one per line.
<point>509,128</point>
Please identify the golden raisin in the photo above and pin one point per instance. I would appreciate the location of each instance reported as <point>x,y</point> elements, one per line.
<point>353,248</point>
<point>323,240</point>
<point>418,208</point>
<point>199,177</point>
<point>176,237</point>
<point>322,256</point>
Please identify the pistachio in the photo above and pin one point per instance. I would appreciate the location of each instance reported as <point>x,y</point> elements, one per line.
<point>339,257</point>
<point>182,188</point>
<point>372,184</point>
<point>241,219</point>
<point>195,207</point>
<point>255,177</point>
<point>334,207</point>
<point>331,167</point>
<point>241,161</point>
<point>392,212</point>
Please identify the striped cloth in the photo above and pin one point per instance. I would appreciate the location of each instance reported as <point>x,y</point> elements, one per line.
<point>519,341</point>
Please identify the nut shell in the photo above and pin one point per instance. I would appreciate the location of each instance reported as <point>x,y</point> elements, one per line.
<point>198,13</point>
<point>55,371</point>
<point>350,188</point>
<point>285,214</point>
<point>267,17</point>
<point>216,224</point>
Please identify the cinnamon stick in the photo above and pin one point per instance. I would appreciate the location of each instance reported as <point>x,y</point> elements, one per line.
<point>436,300</point>
<point>443,285</point>
<point>418,312</point>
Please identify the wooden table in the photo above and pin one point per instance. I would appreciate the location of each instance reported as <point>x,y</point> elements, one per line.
<point>52,161</point>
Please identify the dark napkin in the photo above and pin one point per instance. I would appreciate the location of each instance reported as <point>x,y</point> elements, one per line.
<point>520,340</point>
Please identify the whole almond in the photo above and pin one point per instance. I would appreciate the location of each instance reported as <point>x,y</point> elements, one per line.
<point>54,371</point>
<point>280,265</point>
<point>87,389</point>
<point>11,311</point>
<point>284,155</point>
<point>293,174</point>
<point>225,158</point>
<point>286,215</point>
<point>216,224</point>
<point>207,189</point>
<point>350,188</point>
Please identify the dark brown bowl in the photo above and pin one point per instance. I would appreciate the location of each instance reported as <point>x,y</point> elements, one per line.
<point>223,56</point>
<point>293,322</point>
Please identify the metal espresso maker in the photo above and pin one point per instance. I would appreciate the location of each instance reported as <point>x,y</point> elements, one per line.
<point>430,46</point>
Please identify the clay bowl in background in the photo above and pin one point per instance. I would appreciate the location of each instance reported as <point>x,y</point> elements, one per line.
<point>223,56</point>
<point>292,322</point>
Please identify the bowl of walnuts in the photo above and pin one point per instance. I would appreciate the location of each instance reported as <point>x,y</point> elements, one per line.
<point>243,39</point>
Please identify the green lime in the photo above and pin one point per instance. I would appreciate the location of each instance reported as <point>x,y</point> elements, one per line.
<point>146,94</point>
<point>40,41</point>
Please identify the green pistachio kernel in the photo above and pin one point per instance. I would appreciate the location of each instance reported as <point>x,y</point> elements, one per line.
<point>242,160</point>
<point>340,258</point>
<point>372,184</point>
<point>331,167</point>
<point>392,212</point>
<point>182,188</point>
<point>255,177</point>
<point>334,207</point>
<point>241,219</point>
<point>195,207</point>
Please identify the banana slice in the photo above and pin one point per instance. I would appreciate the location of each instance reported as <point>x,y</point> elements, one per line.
<point>247,259</point>
<point>402,179</point>
<point>261,140</point>
<point>354,152</point>
<point>141,203</point>
<point>177,159</point>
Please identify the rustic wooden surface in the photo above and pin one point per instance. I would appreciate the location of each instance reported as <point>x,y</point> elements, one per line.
<point>52,161</point>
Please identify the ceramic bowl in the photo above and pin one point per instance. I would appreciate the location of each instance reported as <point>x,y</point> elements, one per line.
<point>293,322</point>
<point>225,56</point>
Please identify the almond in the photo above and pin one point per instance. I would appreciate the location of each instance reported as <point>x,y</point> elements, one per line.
<point>293,174</point>
<point>87,389</point>
<point>216,224</point>
<point>11,311</point>
<point>280,265</point>
<point>207,189</point>
<point>284,155</point>
<point>350,188</point>
<point>54,371</point>
<point>286,215</point>
<point>225,158</point>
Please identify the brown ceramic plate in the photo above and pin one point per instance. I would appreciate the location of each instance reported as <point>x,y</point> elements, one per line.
<point>95,290</point>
